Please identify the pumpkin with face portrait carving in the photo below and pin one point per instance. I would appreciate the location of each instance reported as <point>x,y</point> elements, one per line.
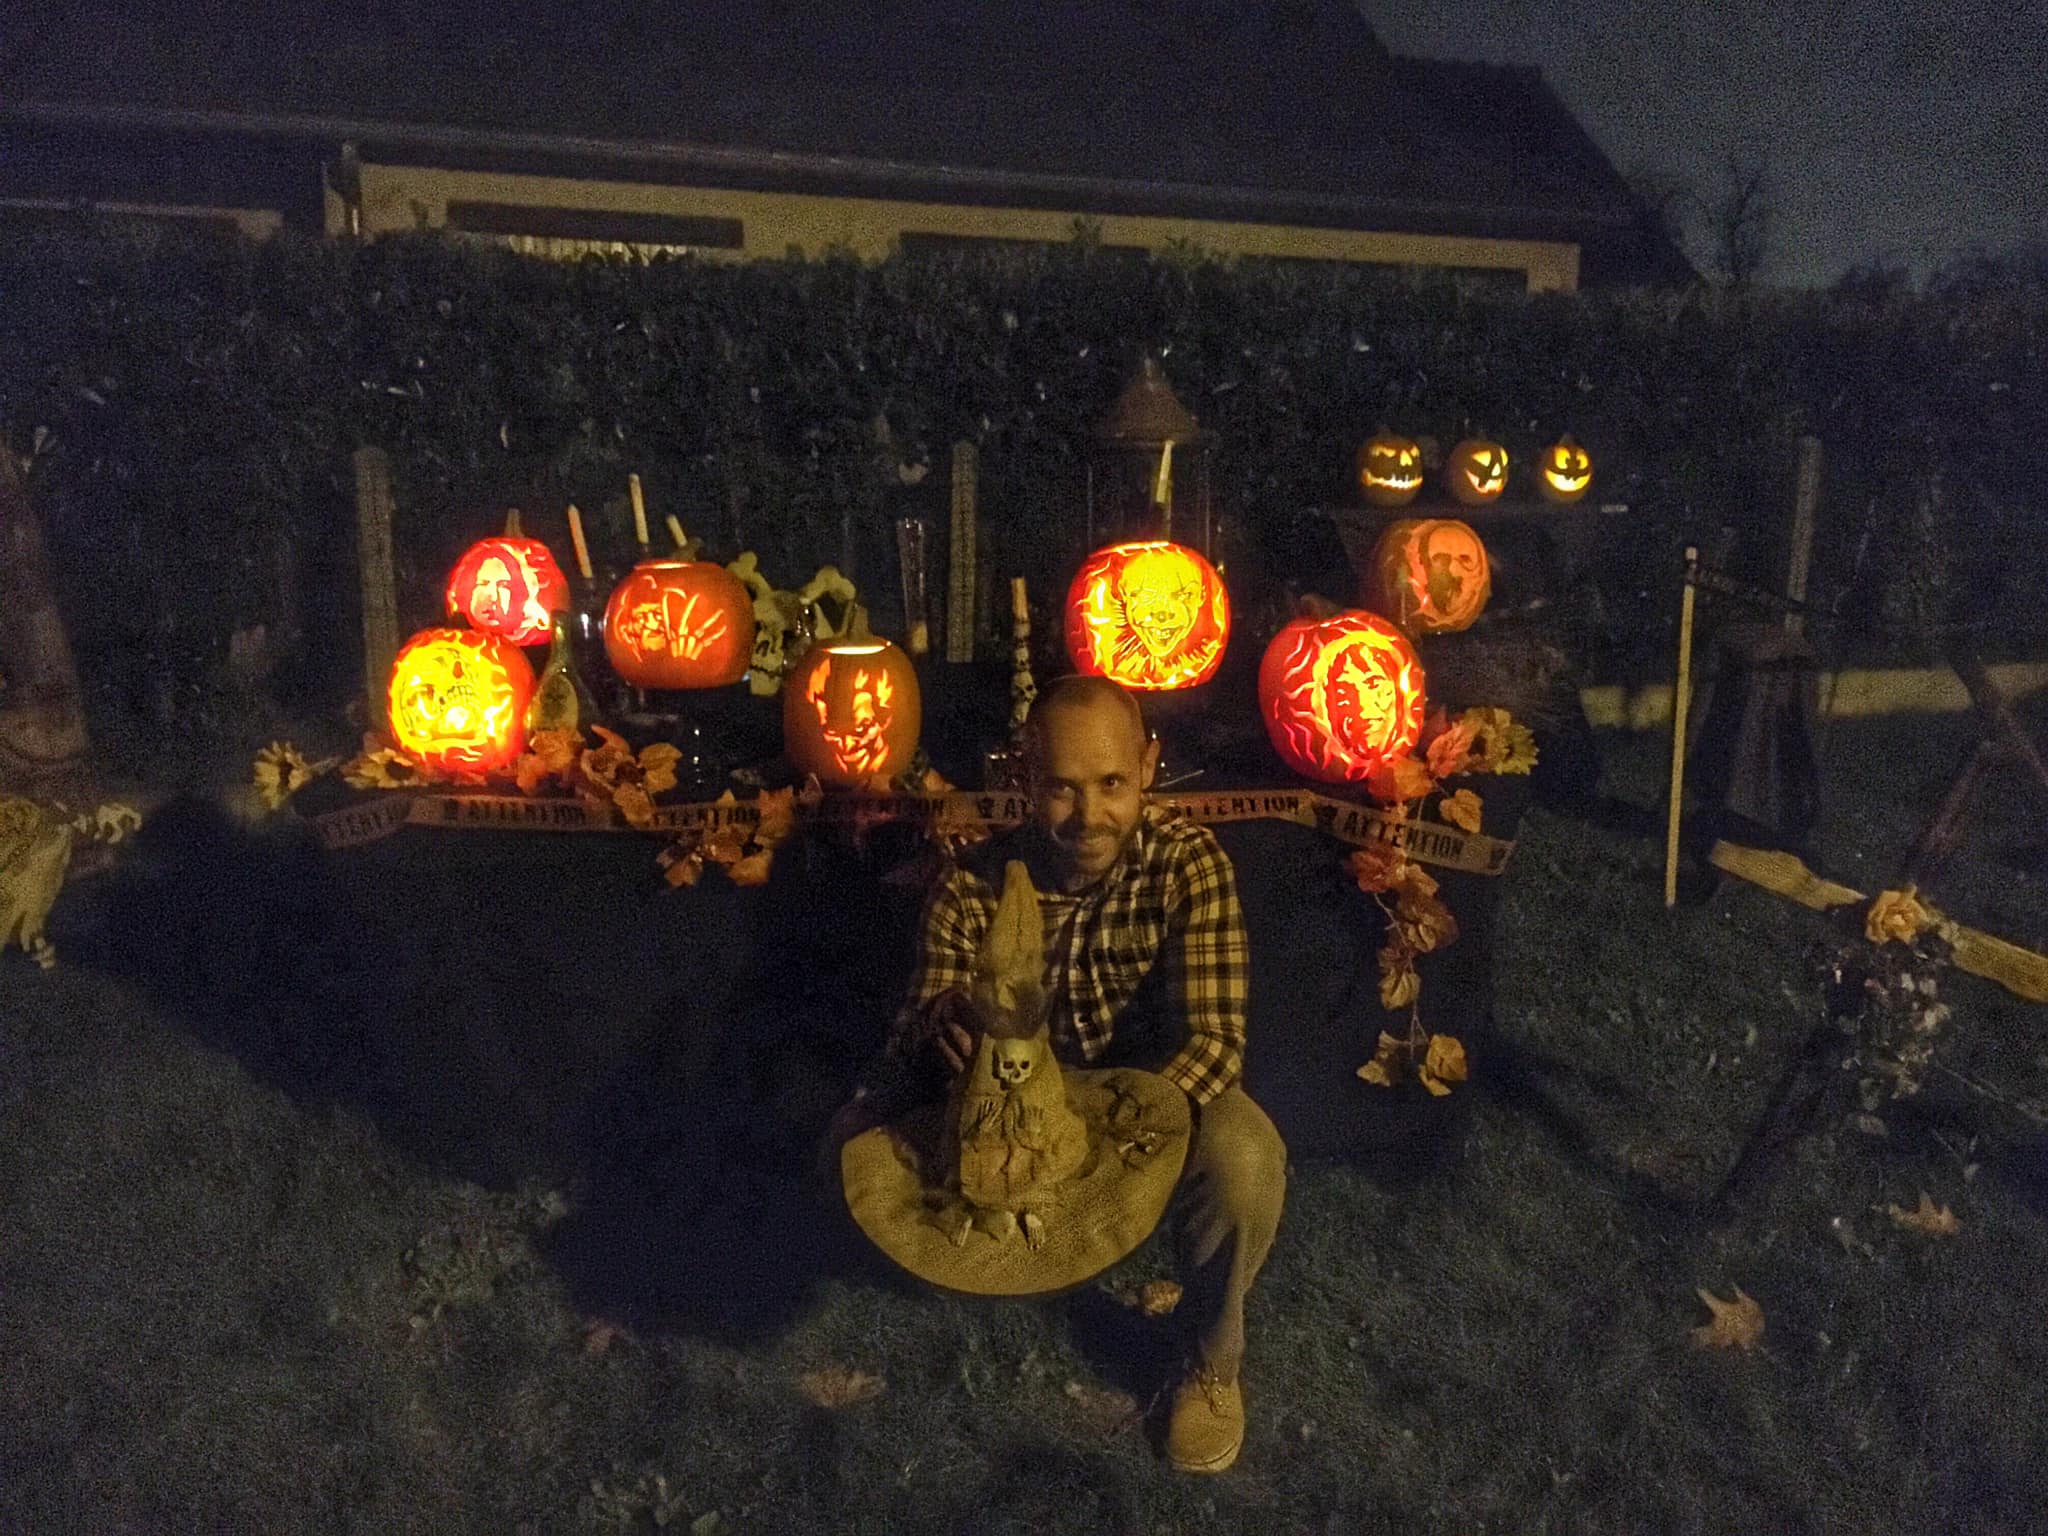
<point>508,585</point>
<point>679,624</point>
<point>1476,472</point>
<point>1390,470</point>
<point>1565,473</point>
<point>851,710</point>
<point>457,700</point>
<point>1430,575</point>
<point>1341,695</point>
<point>1149,615</point>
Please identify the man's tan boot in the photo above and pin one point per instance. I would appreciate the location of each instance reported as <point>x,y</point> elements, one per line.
<point>1206,1430</point>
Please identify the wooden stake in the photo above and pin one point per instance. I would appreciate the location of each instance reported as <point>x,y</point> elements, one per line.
<point>576,538</point>
<point>1805,513</point>
<point>373,564</point>
<point>42,722</point>
<point>1680,689</point>
<point>639,513</point>
<point>962,571</point>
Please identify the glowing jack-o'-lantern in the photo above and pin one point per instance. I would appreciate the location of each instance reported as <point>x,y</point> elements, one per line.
<point>852,710</point>
<point>1390,470</point>
<point>1341,695</point>
<point>508,585</point>
<point>1149,615</point>
<point>457,700</point>
<point>679,624</point>
<point>1430,575</point>
<point>1566,472</point>
<point>1477,471</point>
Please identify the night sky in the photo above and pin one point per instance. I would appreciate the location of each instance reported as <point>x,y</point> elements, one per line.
<point>1902,133</point>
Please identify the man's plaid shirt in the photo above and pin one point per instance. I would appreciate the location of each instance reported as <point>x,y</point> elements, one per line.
<point>1168,905</point>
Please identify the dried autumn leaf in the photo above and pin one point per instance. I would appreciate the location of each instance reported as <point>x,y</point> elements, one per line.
<point>1156,1298</point>
<point>281,771</point>
<point>1927,1218</point>
<point>1501,745</point>
<point>1376,866</point>
<point>548,754</point>
<point>1108,1412</point>
<point>753,869</point>
<point>1424,923</point>
<point>1898,916</point>
<point>658,766</point>
<point>778,816</point>
<point>633,803</point>
<point>1399,779</point>
<point>1413,881</point>
<point>1400,986</point>
<point>386,768</point>
<point>1451,752</point>
<point>836,1386</point>
<point>1460,809</point>
<point>685,869</point>
<point>601,1334</point>
<point>1443,1064</point>
<point>1379,1071</point>
<point>725,846</point>
<point>1737,1324</point>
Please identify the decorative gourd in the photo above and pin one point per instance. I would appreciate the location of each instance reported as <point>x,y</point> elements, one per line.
<point>851,708</point>
<point>1566,472</point>
<point>1149,615</point>
<point>1341,695</point>
<point>1390,470</point>
<point>679,624</point>
<point>508,585</point>
<point>457,700</point>
<point>1430,575</point>
<point>1477,471</point>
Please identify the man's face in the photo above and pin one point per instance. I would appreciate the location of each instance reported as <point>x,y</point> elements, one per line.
<point>1090,769</point>
<point>492,600</point>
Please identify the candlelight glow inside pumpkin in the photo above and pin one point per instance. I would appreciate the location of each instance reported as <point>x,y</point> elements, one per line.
<point>1567,471</point>
<point>856,713</point>
<point>1341,695</point>
<point>1148,614</point>
<point>1390,470</point>
<point>1477,471</point>
<point>508,586</point>
<point>1430,575</point>
<point>679,624</point>
<point>457,700</point>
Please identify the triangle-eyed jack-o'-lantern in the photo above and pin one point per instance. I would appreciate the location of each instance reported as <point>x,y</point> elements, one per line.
<point>457,700</point>
<point>1148,614</point>
<point>1341,695</point>
<point>1390,470</point>
<point>1477,471</point>
<point>851,709</point>
<point>1430,575</point>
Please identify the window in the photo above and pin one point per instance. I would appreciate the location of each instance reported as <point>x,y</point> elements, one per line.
<point>567,233</point>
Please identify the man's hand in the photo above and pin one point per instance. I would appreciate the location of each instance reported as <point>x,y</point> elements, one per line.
<point>957,1023</point>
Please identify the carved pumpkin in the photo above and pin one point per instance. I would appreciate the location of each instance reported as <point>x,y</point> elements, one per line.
<point>508,586</point>
<point>851,710</point>
<point>679,624</point>
<point>1566,472</point>
<point>458,698</point>
<point>1477,471</point>
<point>1430,575</point>
<point>1390,470</point>
<point>1341,695</point>
<point>1149,615</point>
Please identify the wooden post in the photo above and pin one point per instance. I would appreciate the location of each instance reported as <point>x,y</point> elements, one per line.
<point>42,712</point>
<point>1680,689</point>
<point>373,563</point>
<point>1805,513</point>
<point>962,555</point>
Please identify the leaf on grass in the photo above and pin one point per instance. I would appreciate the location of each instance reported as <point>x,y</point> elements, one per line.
<point>1379,1071</point>
<point>1443,1064</point>
<point>837,1386</point>
<point>1737,1324</point>
<point>1156,1298</point>
<point>1896,915</point>
<point>1927,1218</point>
<point>601,1334</point>
<point>1107,1411</point>
<point>1460,809</point>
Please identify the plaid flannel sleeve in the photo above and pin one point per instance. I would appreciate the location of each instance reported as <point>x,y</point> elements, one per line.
<point>1209,971</point>
<point>956,915</point>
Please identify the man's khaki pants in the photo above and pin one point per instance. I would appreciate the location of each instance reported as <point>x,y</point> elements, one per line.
<point>1224,1214</point>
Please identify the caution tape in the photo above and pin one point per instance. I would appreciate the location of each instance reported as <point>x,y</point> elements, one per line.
<point>1427,842</point>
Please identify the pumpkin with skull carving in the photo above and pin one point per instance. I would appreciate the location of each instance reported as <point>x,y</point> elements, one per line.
<point>1430,575</point>
<point>457,700</point>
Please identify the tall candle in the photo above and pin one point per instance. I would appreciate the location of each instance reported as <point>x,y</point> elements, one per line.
<point>639,512</point>
<point>576,537</point>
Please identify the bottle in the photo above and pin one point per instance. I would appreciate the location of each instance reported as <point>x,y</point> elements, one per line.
<point>560,700</point>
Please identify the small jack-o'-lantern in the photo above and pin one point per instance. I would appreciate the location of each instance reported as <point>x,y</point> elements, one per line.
<point>457,700</point>
<point>1390,470</point>
<point>1477,471</point>
<point>508,585</point>
<point>851,709</point>
<point>679,624</point>
<point>1567,470</point>
<point>1430,575</point>
<point>1341,695</point>
<point>1148,614</point>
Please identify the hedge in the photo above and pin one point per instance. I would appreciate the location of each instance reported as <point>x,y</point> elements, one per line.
<point>188,407</point>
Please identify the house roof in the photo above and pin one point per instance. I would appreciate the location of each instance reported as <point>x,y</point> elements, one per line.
<point>1283,109</point>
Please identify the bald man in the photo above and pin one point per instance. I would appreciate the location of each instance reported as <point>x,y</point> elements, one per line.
<point>1146,966</point>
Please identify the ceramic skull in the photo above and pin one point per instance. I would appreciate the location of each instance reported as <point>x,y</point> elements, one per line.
<point>1012,1062</point>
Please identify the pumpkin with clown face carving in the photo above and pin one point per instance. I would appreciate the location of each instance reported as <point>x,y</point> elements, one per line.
<point>851,711</point>
<point>1148,614</point>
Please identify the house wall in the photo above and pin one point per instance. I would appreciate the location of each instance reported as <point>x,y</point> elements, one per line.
<point>744,225</point>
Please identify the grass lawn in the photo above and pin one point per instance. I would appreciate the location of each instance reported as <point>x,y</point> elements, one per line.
<point>264,1267</point>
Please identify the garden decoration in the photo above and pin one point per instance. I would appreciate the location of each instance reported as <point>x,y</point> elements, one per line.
<point>1476,472</point>
<point>1028,1179</point>
<point>35,853</point>
<point>852,712</point>
<point>1390,469</point>
<point>508,585</point>
<point>1148,614</point>
<point>1566,472</point>
<point>1430,575</point>
<point>457,700</point>
<point>679,624</point>
<point>785,623</point>
<point>1341,693</point>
